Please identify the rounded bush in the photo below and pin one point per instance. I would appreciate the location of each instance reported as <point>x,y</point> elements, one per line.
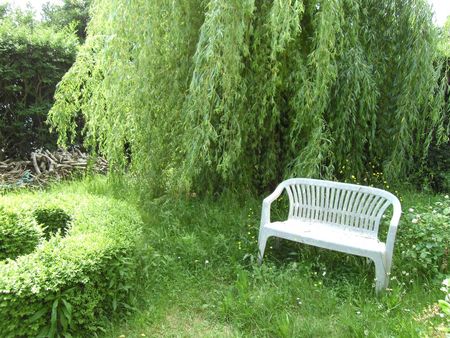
<point>19,234</point>
<point>68,285</point>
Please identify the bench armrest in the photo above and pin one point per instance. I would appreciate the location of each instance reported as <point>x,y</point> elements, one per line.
<point>390,240</point>
<point>265,213</point>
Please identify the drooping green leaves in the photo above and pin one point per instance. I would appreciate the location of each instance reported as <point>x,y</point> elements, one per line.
<point>202,95</point>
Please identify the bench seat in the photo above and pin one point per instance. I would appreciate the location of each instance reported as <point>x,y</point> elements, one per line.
<point>327,236</point>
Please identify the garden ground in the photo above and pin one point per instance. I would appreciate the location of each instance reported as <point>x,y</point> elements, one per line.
<point>200,277</point>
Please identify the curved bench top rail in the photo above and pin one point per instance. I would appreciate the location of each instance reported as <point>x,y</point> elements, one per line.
<point>340,185</point>
<point>345,205</point>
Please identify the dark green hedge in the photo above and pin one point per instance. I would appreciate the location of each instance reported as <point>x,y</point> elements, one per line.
<point>68,285</point>
<point>32,62</point>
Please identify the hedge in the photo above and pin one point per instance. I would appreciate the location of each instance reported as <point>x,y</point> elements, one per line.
<point>19,234</point>
<point>70,284</point>
<point>33,59</point>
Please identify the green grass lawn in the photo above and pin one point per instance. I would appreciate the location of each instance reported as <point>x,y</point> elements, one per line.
<point>200,279</point>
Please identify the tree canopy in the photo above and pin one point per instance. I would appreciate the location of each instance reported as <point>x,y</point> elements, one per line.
<point>33,59</point>
<point>241,93</point>
<point>70,12</point>
<point>445,38</point>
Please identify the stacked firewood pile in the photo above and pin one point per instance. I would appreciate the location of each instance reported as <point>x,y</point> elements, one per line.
<point>44,166</point>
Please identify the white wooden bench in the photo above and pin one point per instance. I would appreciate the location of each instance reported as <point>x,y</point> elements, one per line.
<point>337,216</point>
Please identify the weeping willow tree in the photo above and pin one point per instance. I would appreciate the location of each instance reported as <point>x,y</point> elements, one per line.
<point>209,94</point>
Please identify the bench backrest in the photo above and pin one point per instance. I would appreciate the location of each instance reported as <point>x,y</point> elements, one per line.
<point>351,206</point>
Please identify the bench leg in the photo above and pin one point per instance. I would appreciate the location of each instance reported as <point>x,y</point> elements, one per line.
<point>262,240</point>
<point>381,277</point>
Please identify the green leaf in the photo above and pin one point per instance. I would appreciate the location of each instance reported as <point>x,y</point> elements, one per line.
<point>39,314</point>
<point>54,319</point>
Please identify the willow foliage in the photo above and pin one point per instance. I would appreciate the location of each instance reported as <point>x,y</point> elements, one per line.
<point>241,93</point>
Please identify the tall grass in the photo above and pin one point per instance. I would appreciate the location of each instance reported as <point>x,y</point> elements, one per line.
<point>200,277</point>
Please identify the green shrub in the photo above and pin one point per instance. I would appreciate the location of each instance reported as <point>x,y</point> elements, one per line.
<point>69,285</point>
<point>53,220</point>
<point>424,239</point>
<point>19,235</point>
